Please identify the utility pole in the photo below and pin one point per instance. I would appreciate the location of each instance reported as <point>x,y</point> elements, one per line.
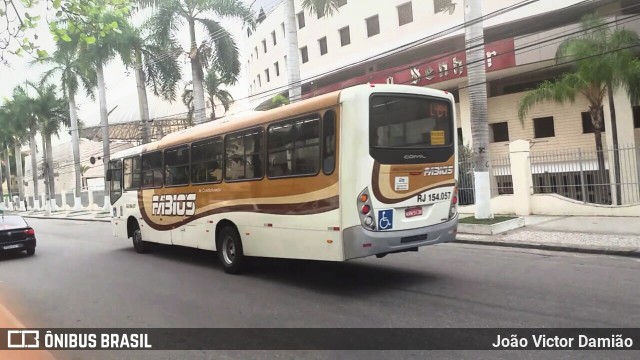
<point>477,77</point>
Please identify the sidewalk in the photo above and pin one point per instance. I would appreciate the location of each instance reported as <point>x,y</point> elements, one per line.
<point>81,215</point>
<point>597,235</point>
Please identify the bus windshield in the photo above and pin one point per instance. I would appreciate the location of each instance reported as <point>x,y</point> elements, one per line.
<point>410,122</point>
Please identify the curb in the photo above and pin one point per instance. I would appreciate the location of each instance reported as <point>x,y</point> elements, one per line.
<point>66,218</point>
<point>575,249</point>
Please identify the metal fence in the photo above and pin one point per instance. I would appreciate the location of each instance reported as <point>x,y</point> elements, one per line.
<point>609,177</point>
<point>500,175</point>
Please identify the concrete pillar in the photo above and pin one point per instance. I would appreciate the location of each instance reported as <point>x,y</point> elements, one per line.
<point>91,203</point>
<point>64,199</point>
<point>521,176</point>
<point>630,193</point>
<point>465,116</point>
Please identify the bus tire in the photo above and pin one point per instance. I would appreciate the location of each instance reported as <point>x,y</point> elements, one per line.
<point>141,246</point>
<point>230,251</point>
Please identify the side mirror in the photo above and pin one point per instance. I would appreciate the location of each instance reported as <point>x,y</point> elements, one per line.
<point>109,175</point>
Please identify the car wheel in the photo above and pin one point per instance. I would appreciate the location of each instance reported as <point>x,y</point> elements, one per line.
<point>230,251</point>
<point>31,250</point>
<point>142,247</point>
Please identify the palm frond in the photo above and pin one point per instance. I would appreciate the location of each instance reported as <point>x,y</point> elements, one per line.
<point>226,57</point>
<point>561,90</point>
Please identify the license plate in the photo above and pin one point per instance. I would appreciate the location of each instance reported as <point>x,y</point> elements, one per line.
<point>413,212</point>
<point>9,247</point>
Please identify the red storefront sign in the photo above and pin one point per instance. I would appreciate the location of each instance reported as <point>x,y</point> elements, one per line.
<point>499,55</point>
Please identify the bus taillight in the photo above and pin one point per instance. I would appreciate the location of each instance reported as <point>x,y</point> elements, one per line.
<point>365,209</point>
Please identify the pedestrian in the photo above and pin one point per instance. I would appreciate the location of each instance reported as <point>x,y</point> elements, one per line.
<point>26,207</point>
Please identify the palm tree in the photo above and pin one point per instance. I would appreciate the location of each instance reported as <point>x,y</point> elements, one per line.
<point>17,110</point>
<point>212,84</point>
<point>155,65</point>
<point>51,114</point>
<point>6,140</point>
<point>320,8</point>
<point>74,71</point>
<point>218,51</point>
<point>29,123</point>
<point>602,61</point>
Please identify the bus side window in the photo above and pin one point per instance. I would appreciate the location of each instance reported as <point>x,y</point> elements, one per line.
<point>329,142</point>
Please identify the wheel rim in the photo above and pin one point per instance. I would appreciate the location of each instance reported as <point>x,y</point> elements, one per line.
<point>228,250</point>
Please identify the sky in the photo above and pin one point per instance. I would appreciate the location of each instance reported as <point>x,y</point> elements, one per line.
<point>121,87</point>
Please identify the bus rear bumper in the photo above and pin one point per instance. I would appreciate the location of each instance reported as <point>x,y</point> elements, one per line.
<point>360,242</point>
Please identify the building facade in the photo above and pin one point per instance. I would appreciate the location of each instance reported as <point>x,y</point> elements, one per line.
<point>421,42</point>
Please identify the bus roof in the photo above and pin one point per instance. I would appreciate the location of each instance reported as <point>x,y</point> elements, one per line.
<point>244,120</point>
<point>250,119</point>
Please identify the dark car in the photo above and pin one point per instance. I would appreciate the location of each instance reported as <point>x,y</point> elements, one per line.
<point>16,235</point>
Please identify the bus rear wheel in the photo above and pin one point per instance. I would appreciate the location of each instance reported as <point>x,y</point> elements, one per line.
<point>141,246</point>
<point>230,251</point>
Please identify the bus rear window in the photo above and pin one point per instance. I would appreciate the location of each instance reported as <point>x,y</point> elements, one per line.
<point>410,122</point>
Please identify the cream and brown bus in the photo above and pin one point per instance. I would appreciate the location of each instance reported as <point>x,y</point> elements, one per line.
<point>367,170</point>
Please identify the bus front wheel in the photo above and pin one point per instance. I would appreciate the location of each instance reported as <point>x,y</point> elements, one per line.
<point>230,251</point>
<point>141,246</point>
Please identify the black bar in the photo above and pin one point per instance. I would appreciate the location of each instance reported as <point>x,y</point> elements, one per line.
<point>326,339</point>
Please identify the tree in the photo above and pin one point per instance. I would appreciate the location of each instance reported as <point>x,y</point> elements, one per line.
<point>320,8</point>
<point>25,115</point>
<point>155,65</point>
<point>99,53</point>
<point>51,115</point>
<point>19,33</point>
<point>218,51</point>
<point>19,115</point>
<point>602,60</point>
<point>6,141</point>
<point>73,72</point>
<point>214,95</point>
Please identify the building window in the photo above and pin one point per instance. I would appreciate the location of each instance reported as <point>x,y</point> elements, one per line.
<point>587,125</point>
<point>460,137</point>
<point>206,161</point>
<point>342,3</point>
<point>244,155</point>
<point>323,45</point>
<point>264,46</point>
<point>152,170</point>
<point>543,127</point>
<point>443,5</point>
<point>259,81</point>
<point>405,14</point>
<point>176,166</point>
<point>284,32</point>
<point>256,50</point>
<point>267,75</point>
<point>304,53</point>
<point>273,38</point>
<point>132,179</point>
<point>276,67</point>
<point>329,142</point>
<point>373,26</point>
<point>499,132</point>
<point>294,147</point>
<point>636,117</point>
<point>345,36</point>
<point>301,20</point>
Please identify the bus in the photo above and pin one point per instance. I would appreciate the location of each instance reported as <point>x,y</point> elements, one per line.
<point>367,170</point>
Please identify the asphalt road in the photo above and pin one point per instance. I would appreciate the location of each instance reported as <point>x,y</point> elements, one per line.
<point>82,277</point>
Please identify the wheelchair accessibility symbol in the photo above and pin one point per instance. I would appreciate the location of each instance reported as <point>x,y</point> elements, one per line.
<point>385,219</point>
